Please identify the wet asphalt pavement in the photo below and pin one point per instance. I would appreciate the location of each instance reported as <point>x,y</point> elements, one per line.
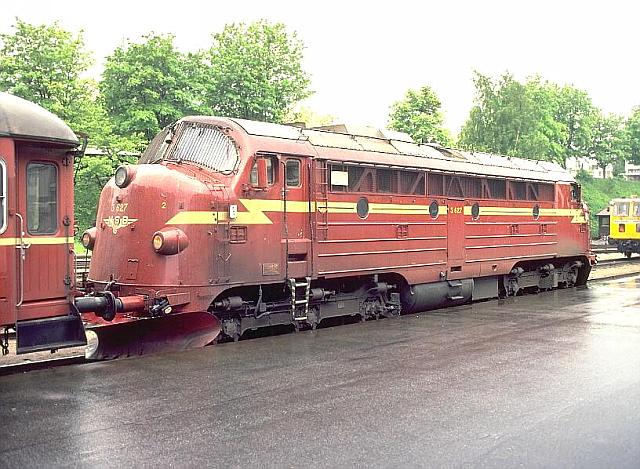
<point>546,380</point>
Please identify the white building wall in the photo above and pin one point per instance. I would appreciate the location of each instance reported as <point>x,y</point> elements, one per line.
<point>589,165</point>
<point>631,171</point>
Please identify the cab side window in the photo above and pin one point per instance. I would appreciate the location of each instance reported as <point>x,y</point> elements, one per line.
<point>292,170</point>
<point>575,192</point>
<point>42,198</point>
<point>253,178</point>
<point>3,196</point>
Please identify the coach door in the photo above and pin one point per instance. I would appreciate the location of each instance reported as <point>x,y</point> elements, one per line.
<point>455,237</point>
<point>44,231</point>
<point>297,211</point>
<point>7,235</point>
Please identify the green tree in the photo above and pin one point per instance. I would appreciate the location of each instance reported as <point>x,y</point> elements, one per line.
<point>536,119</point>
<point>576,112</point>
<point>44,64</point>
<point>512,118</point>
<point>148,85</point>
<point>607,145</point>
<point>419,115</point>
<point>256,72</point>
<point>309,117</point>
<point>632,131</point>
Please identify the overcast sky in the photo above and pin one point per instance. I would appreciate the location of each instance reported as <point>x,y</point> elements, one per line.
<point>363,56</point>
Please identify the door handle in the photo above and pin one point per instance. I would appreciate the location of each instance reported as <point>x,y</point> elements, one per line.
<point>23,255</point>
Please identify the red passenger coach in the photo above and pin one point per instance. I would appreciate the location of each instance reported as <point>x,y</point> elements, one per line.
<point>36,227</point>
<point>234,225</point>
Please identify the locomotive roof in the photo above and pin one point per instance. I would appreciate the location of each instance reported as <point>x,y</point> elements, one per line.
<point>394,148</point>
<point>23,119</point>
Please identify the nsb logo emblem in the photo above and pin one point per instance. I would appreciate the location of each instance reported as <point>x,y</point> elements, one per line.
<point>117,222</point>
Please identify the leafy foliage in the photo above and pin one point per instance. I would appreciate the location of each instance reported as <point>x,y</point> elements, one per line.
<point>44,64</point>
<point>256,72</point>
<point>537,119</point>
<point>419,115</point>
<point>148,85</point>
<point>309,117</point>
<point>632,132</point>
<point>608,144</point>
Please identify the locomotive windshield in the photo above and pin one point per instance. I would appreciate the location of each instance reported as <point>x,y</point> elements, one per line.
<point>199,143</point>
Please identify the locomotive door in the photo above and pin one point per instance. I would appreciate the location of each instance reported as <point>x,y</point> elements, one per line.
<point>455,238</point>
<point>43,230</point>
<point>297,213</point>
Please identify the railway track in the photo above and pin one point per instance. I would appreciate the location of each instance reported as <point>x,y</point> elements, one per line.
<point>600,249</point>
<point>617,261</point>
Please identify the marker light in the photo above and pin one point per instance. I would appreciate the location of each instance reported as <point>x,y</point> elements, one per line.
<point>169,241</point>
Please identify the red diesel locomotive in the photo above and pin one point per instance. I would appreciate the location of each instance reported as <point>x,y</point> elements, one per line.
<point>36,228</point>
<point>229,225</point>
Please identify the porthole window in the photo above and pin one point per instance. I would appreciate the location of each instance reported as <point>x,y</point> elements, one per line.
<point>536,211</point>
<point>475,211</point>
<point>433,209</point>
<point>362,207</point>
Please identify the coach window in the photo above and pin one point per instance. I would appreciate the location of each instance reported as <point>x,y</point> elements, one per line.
<point>42,198</point>
<point>292,173</point>
<point>3,196</point>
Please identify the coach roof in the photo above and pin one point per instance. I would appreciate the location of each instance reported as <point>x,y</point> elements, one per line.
<point>23,119</point>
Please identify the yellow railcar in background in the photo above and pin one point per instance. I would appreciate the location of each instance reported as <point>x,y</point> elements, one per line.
<point>624,227</point>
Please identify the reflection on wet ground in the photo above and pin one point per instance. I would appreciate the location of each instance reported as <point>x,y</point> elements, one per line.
<point>545,380</point>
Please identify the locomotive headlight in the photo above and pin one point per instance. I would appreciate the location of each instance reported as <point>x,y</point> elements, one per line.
<point>89,238</point>
<point>169,241</point>
<point>124,175</point>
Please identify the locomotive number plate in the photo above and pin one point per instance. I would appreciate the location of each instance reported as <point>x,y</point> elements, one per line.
<point>270,268</point>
